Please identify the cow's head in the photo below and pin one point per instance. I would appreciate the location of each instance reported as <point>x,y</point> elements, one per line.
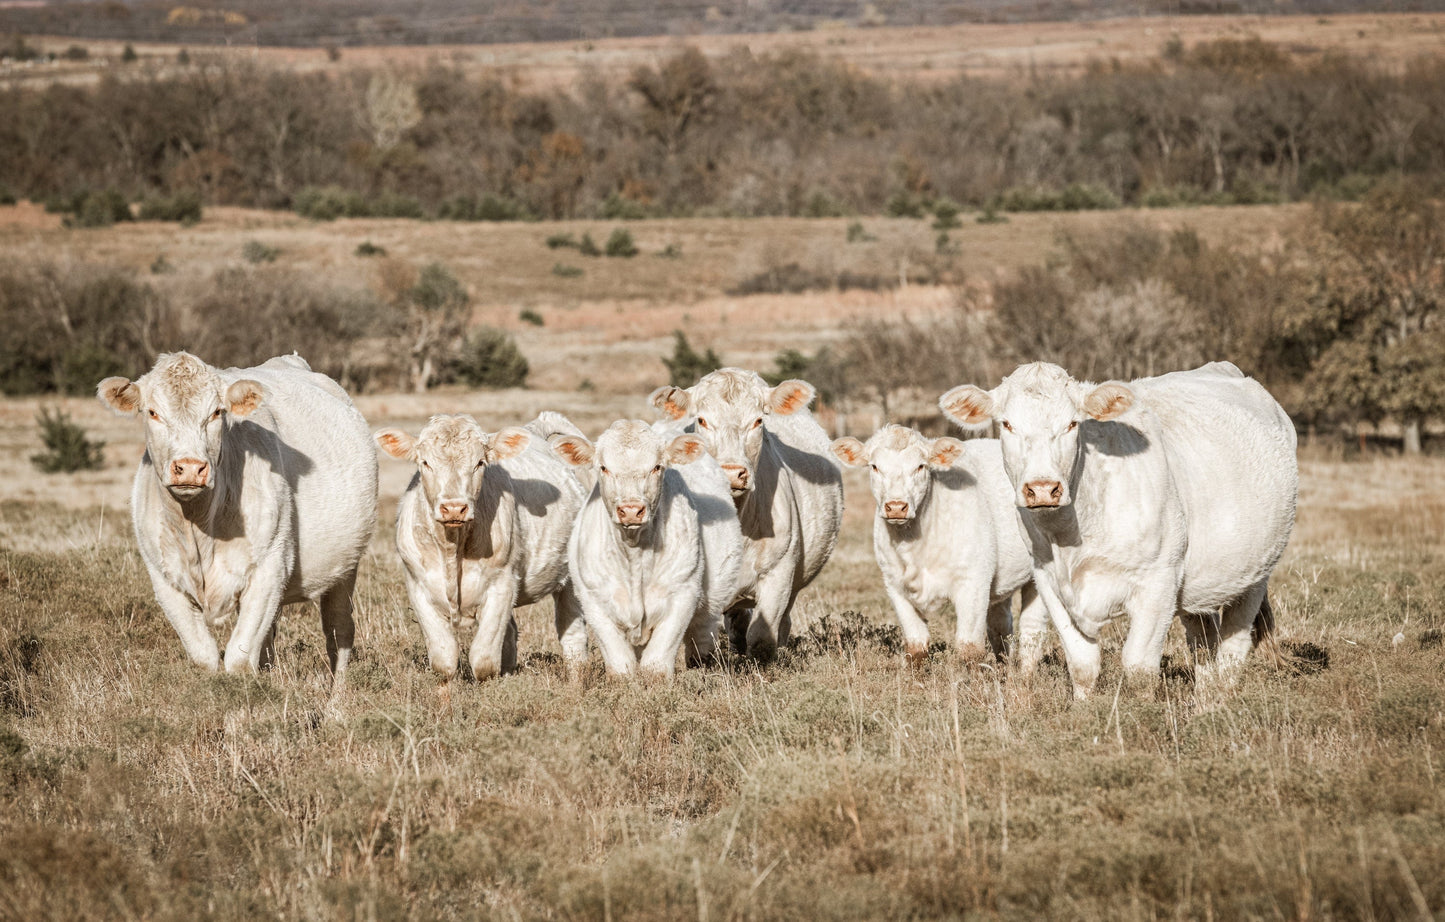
<point>1038,409</point>
<point>728,407</point>
<point>630,459</point>
<point>186,407</point>
<point>451,455</point>
<point>900,463</point>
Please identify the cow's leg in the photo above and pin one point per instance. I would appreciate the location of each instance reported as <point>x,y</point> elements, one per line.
<point>190,625</point>
<point>1150,608</point>
<point>1201,636</point>
<point>1080,651</point>
<point>494,623</point>
<point>617,652</point>
<point>268,646</point>
<point>337,624</point>
<point>1033,630</point>
<point>659,658</point>
<point>912,625</point>
<point>1000,627</point>
<point>436,628</point>
<point>1235,628</point>
<point>772,619</point>
<point>260,602</point>
<point>736,621</point>
<point>571,629</point>
<point>699,643</point>
<point>971,606</point>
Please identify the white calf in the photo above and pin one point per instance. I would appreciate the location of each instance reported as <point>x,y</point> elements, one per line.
<point>655,553</point>
<point>482,529</point>
<point>946,531</point>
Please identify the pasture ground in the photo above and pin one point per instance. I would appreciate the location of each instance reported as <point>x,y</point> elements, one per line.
<point>834,784</point>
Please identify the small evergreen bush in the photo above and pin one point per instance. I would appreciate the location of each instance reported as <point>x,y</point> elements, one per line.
<point>67,448</point>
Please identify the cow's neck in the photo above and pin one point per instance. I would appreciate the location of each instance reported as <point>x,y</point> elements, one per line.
<point>755,506</point>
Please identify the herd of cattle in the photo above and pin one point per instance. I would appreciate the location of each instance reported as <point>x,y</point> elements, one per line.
<point>1172,495</point>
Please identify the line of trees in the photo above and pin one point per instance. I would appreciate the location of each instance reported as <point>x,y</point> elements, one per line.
<point>780,134</point>
<point>1344,320</point>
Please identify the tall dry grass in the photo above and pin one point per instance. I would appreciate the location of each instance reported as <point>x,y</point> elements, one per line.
<point>835,784</point>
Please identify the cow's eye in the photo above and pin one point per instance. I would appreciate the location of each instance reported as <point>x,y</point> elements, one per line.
<point>920,467</point>
<point>1073,424</point>
<point>702,423</point>
<point>425,465</point>
<point>482,463</point>
<point>217,414</point>
<point>154,415</point>
<point>604,470</point>
<point>1004,423</point>
<point>657,470</point>
<point>873,467</point>
<point>757,422</point>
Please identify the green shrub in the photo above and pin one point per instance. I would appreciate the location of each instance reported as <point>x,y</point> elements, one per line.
<point>91,209</point>
<point>562,270</point>
<point>490,358</point>
<point>393,205</point>
<point>620,244</point>
<point>329,203</point>
<point>184,206</point>
<point>256,252</point>
<point>587,246</point>
<point>527,315</point>
<point>66,447</point>
<point>904,205</point>
<point>488,208</point>
<point>619,208</point>
<point>671,251</point>
<point>561,241</point>
<point>945,215</point>
<point>1073,197</point>
<point>6,196</point>
<point>687,365</point>
<point>858,234</point>
<point>822,205</point>
<point>990,215</point>
<point>367,248</point>
<point>128,55</point>
<point>76,53</point>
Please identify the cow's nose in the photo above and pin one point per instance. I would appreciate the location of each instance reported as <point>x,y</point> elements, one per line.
<point>895,509</point>
<point>453,512</point>
<point>189,472</point>
<point>630,513</point>
<point>738,475</point>
<point>1043,493</point>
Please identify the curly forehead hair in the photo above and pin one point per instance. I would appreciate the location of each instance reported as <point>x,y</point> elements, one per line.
<point>452,434</point>
<point>892,438</point>
<point>1038,380</point>
<point>181,374</point>
<point>731,386</point>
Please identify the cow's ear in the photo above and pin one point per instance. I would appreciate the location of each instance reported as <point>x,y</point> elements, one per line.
<point>943,452</point>
<point>1109,400</point>
<point>670,401</point>
<point>120,394</point>
<point>684,449</point>
<point>790,397</point>
<point>396,443</point>
<point>967,405</point>
<point>508,443</point>
<point>850,451</point>
<point>573,449</point>
<point>244,397</point>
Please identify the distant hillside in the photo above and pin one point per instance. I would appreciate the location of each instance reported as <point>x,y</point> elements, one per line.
<point>433,22</point>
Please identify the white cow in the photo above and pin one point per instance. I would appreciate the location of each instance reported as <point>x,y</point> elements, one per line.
<point>1170,494</point>
<point>656,550</point>
<point>257,488</point>
<point>482,529</point>
<point>946,531</point>
<point>786,486</point>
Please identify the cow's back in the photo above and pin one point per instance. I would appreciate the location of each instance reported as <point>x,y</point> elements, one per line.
<point>1231,453</point>
<point>329,461</point>
<point>806,451</point>
<point>548,496</point>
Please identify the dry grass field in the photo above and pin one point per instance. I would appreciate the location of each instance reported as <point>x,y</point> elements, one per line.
<point>914,53</point>
<point>834,784</point>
